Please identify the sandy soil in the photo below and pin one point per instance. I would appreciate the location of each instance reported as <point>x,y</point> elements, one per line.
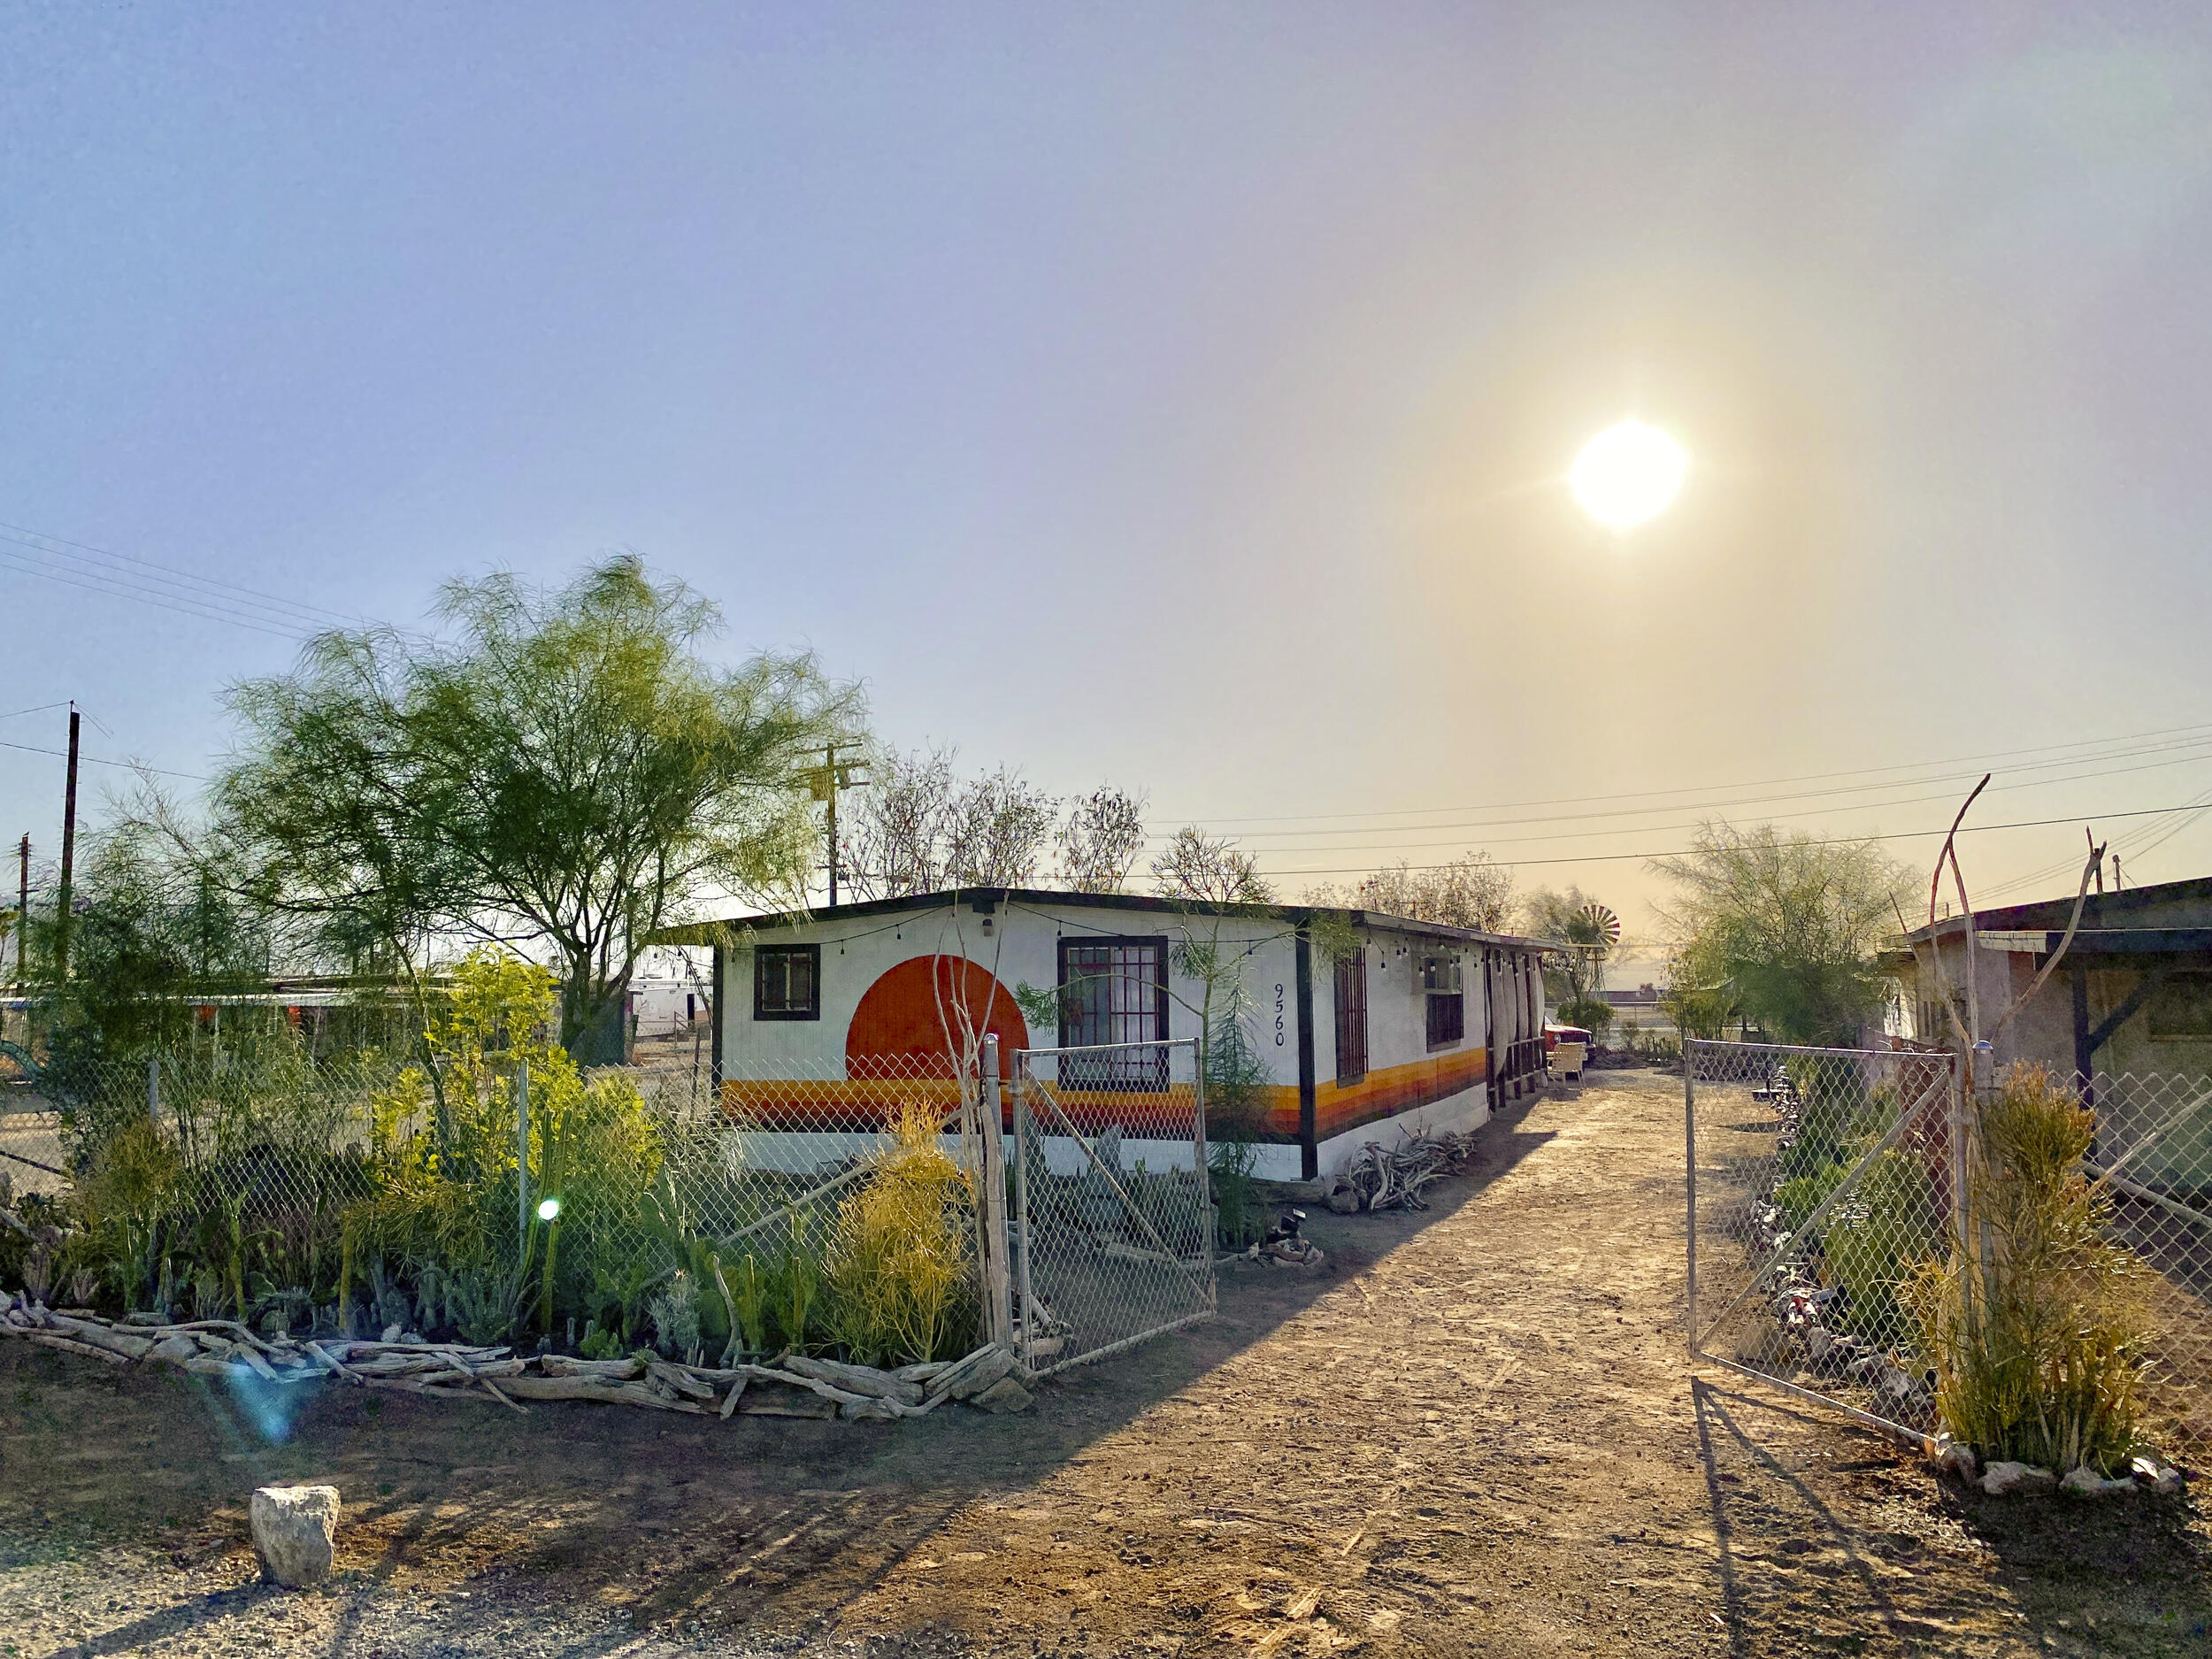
<point>1474,1432</point>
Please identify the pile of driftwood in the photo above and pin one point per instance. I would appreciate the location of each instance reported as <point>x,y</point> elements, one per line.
<point>794,1386</point>
<point>1375,1178</point>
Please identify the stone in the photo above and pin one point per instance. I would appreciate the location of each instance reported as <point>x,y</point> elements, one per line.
<point>295,1529</point>
<point>2000,1478</point>
<point>1954,1457</point>
<point>1005,1395</point>
<point>2159,1476</point>
<point>391,1333</point>
<point>1343,1199</point>
<point>2087,1483</point>
<point>175,1350</point>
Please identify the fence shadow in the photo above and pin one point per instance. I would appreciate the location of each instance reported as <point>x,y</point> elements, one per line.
<point>2055,1558</point>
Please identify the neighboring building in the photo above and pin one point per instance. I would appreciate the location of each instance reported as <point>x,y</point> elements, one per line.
<point>1419,1024</point>
<point>2132,994</point>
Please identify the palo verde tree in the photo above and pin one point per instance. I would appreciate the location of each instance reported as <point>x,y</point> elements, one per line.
<point>564,775</point>
<point>1791,923</point>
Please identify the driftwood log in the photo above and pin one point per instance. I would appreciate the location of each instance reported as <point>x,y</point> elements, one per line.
<point>792,1386</point>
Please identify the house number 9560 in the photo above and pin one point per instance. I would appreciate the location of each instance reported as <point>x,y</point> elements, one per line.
<point>1278,1017</point>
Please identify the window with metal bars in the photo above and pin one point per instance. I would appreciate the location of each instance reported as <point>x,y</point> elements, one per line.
<point>1113,992</point>
<point>1351,1017</point>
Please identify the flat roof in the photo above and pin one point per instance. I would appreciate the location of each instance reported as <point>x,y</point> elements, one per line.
<point>2099,912</point>
<point>708,933</point>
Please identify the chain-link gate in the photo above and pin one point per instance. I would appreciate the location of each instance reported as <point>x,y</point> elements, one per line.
<point>1112,1220</point>
<point>1818,1179</point>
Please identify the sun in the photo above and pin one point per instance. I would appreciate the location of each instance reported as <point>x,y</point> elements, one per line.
<point>1628,474</point>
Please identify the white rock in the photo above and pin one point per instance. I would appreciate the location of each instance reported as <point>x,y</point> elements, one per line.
<point>175,1349</point>
<point>1952,1455</point>
<point>391,1333</point>
<point>2159,1476</point>
<point>294,1529</point>
<point>2002,1478</point>
<point>2086,1482</point>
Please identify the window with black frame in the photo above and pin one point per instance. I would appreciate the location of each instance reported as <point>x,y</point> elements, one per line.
<point>1351,1017</point>
<point>1113,992</point>
<point>788,982</point>
<point>1447,999</point>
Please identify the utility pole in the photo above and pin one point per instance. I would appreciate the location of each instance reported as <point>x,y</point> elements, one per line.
<point>68,852</point>
<point>23,913</point>
<point>824,782</point>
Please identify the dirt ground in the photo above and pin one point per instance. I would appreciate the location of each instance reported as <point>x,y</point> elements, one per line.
<point>1475,1432</point>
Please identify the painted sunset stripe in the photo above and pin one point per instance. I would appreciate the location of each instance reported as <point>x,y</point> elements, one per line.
<point>1383,1093</point>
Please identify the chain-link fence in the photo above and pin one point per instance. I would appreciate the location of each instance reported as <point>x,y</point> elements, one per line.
<point>2153,1155</point>
<point>877,1213</point>
<point>627,1207</point>
<point>1824,1251</point>
<point>1112,1223</point>
<point>1818,1179</point>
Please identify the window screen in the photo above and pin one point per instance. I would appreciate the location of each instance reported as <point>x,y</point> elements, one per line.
<point>1448,1017</point>
<point>788,982</point>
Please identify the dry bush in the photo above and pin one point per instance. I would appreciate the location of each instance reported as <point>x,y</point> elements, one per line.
<point>2037,1335</point>
<point>901,1259</point>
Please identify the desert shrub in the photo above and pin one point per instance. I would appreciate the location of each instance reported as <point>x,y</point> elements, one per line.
<point>447,1169</point>
<point>674,1313</point>
<point>2036,1337</point>
<point>1876,1238</point>
<point>1594,1014</point>
<point>1799,1196</point>
<point>1236,1119</point>
<point>900,1260</point>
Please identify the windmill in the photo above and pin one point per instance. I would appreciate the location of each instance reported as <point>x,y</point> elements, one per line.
<point>1603,926</point>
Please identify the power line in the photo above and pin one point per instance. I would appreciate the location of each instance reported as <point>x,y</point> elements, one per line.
<point>198,584</point>
<point>1639,829</point>
<point>2197,733</point>
<point>183,607</point>
<point>91,760</point>
<point>41,708</point>
<point>1833,841</point>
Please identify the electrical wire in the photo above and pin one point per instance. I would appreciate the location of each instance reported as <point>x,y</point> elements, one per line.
<point>184,608</point>
<point>2183,736</point>
<point>1833,841</point>
<point>94,760</point>
<point>191,584</point>
<point>1644,829</point>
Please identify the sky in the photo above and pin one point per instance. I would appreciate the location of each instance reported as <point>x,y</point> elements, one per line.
<point>1174,397</point>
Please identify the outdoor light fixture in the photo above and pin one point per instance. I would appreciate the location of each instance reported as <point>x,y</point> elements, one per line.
<point>549,1209</point>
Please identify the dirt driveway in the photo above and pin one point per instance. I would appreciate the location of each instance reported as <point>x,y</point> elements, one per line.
<point>1474,1432</point>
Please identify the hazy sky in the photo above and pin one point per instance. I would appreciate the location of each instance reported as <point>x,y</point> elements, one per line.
<point>1175,396</point>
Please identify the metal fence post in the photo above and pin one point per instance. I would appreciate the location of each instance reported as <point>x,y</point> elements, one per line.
<point>1021,1206</point>
<point>998,1311</point>
<point>522,1159</point>
<point>153,1090</point>
<point>1204,1173</point>
<point>1689,1163</point>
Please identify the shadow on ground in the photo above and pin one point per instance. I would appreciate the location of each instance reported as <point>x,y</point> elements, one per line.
<point>1789,1538</point>
<point>668,1518</point>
